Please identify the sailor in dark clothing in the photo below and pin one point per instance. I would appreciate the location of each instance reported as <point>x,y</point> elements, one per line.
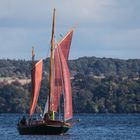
<point>23,121</point>
<point>47,116</point>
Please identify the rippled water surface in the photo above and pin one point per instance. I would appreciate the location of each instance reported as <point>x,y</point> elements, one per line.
<point>91,127</point>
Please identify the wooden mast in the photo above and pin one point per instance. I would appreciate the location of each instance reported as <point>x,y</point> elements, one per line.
<point>33,57</point>
<point>52,64</point>
<point>33,64</point>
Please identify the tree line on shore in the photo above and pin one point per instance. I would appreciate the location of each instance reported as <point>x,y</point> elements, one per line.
<point>99,85</point>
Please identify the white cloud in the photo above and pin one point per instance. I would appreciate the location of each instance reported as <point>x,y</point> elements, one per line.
<point>104,26</point>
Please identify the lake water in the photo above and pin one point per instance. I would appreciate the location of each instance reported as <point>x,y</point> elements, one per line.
<point>91,127</point>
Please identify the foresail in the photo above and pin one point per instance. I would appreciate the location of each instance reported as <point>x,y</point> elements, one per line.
<point>68,113</point>
<point>36,83</point>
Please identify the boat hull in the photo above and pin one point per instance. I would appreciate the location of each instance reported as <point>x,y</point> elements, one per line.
<point>50,128</point>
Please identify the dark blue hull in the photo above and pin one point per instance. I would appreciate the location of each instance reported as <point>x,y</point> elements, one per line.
<point>44,128</point>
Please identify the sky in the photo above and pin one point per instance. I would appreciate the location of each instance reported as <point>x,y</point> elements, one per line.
<point>104,28</point>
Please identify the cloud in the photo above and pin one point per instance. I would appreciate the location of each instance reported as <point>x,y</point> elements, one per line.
<point>104,28</point>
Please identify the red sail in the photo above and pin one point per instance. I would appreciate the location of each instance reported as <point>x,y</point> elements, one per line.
<point>68,113</point>
<point>65,47</point>
<point>65,44</point>
<point>37,78</point>
<point>57,82</point>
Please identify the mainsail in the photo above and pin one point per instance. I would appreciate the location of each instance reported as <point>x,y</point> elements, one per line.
<point>64,45</point>
<point>36,82</point>
<point>57,79</point>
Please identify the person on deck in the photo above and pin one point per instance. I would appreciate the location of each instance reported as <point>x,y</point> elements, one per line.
<point>47,116</point>
<point>23,121</point>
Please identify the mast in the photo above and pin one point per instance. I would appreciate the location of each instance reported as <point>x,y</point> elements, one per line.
<point>32,79</point>
<point>52,64</point>
<point>33,57</point>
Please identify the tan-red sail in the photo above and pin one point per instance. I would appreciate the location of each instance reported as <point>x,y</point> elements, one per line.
<point>57,82</point>
<point>68,113</point>
<point>37,78</point>
<point>64,45</point>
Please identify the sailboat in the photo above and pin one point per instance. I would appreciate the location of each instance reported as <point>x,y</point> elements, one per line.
<point>59,84</point>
